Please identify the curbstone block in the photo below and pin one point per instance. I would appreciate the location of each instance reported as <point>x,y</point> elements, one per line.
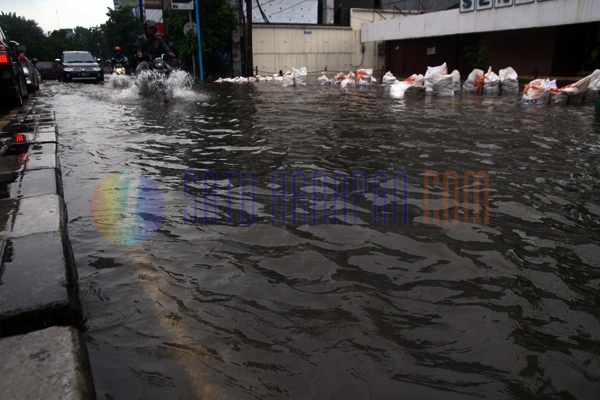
<point>48,364</point>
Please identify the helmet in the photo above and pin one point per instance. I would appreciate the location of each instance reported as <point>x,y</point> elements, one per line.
<point>150,23</point>
<point>117,49</point>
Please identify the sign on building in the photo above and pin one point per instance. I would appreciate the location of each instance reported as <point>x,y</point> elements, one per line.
<point>183,4</point>
<point>480,5</point>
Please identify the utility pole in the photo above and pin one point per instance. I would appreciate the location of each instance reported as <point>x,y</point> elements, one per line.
<point>199,38</point>
<point>141,8</point>
<point>248,38</point>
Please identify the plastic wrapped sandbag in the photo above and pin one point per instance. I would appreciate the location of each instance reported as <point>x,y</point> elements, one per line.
<point>288,79</point>
<point>415,79</point>
<point>388,78</point>
<point>509,81</point>
<point>558,96</point>
<point>299,75</point>
<point>584,90</point>
<point>455,80</point>
<point>398,88</point>
<point>441,69</point>
<point>363,76</point>
<point>593,90</point>
<point>429,79</point>
<point>350,80</point>
<point>474,82</point>
<point>491,83</point>
<point>339,77</point>
<point>323,80</point>
<point>441,85</point>
<point>538,91</point>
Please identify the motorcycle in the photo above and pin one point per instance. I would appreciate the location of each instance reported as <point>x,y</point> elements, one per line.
<point>151,77</point>
<point>120,67</point>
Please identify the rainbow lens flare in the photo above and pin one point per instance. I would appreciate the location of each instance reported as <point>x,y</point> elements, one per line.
<point>127,208</point>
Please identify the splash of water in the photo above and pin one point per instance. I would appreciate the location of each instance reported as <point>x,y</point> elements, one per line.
<point>178,84</point>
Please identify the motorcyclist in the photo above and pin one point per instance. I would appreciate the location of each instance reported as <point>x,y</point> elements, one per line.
<point>150,45</point>
<point>119,58</point>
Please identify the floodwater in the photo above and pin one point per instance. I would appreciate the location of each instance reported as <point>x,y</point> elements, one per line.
<point>253,241</point>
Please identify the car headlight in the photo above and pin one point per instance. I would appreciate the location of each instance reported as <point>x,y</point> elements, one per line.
<point>96,69</point>
<point>69,69</point>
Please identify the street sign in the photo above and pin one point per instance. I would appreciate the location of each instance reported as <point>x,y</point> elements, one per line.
<point>189,27</point>
<point>183,4</point>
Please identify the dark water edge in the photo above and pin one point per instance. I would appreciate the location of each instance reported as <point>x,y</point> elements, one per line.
<point>248,304</point>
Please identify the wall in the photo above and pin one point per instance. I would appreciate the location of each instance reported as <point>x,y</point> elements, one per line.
<point>337,48</point>
<point>453,22</point>
<point>549,51</point>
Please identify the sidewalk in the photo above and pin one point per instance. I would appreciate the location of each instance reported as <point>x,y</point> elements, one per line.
<point>42,352</point>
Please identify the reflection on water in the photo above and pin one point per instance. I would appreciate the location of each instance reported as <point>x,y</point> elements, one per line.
<point>411,296</point>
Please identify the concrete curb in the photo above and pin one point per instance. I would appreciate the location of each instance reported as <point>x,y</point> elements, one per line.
<point>38,277</point>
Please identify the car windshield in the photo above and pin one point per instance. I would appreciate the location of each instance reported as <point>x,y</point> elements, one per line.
<point>78,57</point>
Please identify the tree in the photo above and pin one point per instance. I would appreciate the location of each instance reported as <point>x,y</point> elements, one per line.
<point>25,31</point>
<point>121,29</point>
<point>217,21</point>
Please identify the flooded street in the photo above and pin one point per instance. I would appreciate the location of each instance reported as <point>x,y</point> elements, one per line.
<point>254,241</point>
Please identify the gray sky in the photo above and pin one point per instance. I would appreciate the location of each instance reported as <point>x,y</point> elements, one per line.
<point>68,13</point>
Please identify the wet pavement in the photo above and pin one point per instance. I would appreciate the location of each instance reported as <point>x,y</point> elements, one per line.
<point>255,241</point>
<point>40,314</point>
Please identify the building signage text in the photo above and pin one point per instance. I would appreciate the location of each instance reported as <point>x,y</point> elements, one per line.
<point>479,5</point>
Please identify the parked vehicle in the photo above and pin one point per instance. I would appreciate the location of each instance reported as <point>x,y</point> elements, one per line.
<point>32,75</point>
<point>47,69</point>
<point>79,66</point>
<point>13,86</point>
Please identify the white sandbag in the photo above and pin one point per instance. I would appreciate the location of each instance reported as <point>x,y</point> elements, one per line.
<point>349,81</point>
<point>538,91</point>
<point>455,80</point>
<point>591,93</point>
<point>388,78</point>
<point>300,75</point>
<point>575,92</point>
<point>363,76</point>
<point>415,79</point>
<point>474,82</point>
<point>582,85</point>
<point>491,83</point>
<point>441,69</point>
<point>323,80</point>
<point>441,85</point>
<point>398,88</point>
<point>509,81</point>
<point>339,77</point>
<point>429,79</point>
<point>288,79</point>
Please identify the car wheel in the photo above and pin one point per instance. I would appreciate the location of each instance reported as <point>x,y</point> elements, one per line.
<point>100,78</point>
<point>17,99</point>
<point>65,79</point>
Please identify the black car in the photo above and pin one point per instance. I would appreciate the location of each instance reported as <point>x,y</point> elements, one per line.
<point>13,86</point>
<point>79,66</point>
<point>32,75</point>
<point>47,69</point>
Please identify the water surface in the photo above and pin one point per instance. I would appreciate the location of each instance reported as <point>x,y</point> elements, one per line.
<point>242,302</point>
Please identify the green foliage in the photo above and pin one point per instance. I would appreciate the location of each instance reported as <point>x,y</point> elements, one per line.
<point>217,21</point>
<point>121,29</point>
<point>25,31</point>
<point>477,58</point>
